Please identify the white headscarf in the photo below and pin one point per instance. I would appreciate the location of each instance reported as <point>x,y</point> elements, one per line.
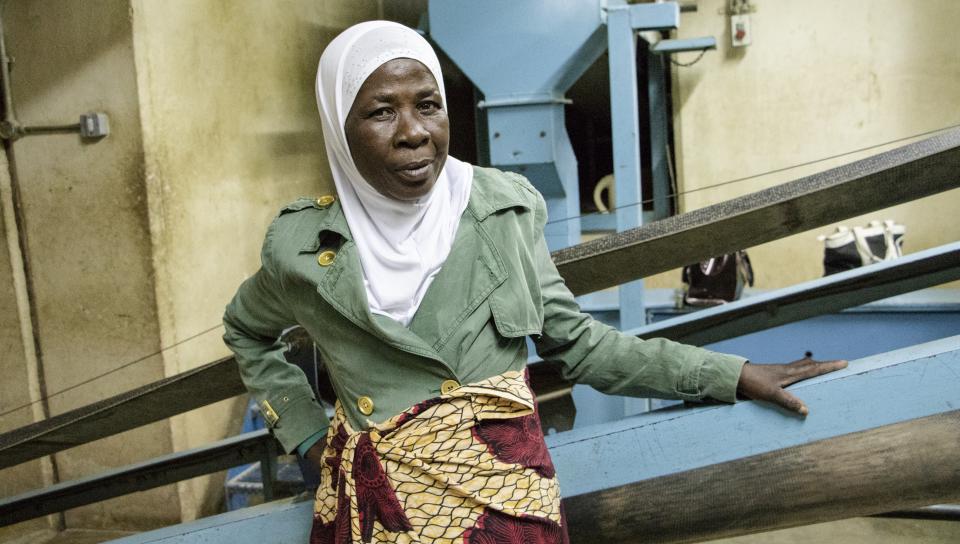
<point>402,244</point>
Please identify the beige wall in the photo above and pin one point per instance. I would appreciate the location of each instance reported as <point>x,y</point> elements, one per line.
<point>85,221</point>
<point>139,240</point>
<point>231,133</point>
<point>820,79</point>
<point>15,387</point>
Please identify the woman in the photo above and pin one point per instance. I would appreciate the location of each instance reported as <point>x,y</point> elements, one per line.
<point>419,282</point>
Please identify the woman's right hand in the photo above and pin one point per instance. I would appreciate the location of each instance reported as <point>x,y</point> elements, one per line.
<point>315,456</point>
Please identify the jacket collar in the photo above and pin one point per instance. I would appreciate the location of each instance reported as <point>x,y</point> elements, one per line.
<point>491,193</point>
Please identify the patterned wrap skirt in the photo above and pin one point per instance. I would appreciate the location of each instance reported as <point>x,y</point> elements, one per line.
<point>470,466</point>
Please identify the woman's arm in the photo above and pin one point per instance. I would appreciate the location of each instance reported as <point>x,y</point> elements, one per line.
<point>596,354</point>
<point>612,362</point>
<point>253,321</point>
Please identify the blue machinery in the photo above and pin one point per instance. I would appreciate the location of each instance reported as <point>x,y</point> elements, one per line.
<point>523,108</point>
<point>524,98</point>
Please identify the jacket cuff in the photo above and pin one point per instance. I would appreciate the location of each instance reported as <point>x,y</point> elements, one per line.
<point>294,416</point>
<point>305,446</point>
<point>720,375</point>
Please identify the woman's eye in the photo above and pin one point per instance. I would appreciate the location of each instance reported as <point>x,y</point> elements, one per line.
<point>428,106</point>
<point>382,114</point>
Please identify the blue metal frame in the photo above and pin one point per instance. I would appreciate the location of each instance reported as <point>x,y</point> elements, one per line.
<point>625,123</point>
<point>524,92</point>
<point>881,390</point>
<point>524,98</point>
<point>686,44</point>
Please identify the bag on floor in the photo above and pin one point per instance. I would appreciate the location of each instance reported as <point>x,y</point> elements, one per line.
<point>717,280</point>
<point>850,248</point>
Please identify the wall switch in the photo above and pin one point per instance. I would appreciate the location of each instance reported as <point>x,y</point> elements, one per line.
<point>740,33</point>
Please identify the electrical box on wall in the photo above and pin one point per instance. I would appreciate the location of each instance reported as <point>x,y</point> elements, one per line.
<point>740,33</point>
<point>94,125</point>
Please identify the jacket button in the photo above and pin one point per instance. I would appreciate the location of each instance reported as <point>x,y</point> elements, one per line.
<point>326,258</point>
<point>448,386</point>
<point>325,200</point>
<point>365,404</point>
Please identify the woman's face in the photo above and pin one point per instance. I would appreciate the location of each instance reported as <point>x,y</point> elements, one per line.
<point>398,131</point>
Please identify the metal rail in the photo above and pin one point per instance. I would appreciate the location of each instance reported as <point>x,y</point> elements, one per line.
<point>939,512</point>
<point>882,435</point>
<point>153,402</point>
<point>239,450</point>
<point>822,296</point>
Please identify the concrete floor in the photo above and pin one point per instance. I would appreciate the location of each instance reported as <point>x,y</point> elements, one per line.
<point>851,531</point>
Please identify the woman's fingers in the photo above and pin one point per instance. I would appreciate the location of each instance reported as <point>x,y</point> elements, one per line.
<point>824,367</point>
<point>788,401</point>
<point>808,368</point>
<point>766,382</point>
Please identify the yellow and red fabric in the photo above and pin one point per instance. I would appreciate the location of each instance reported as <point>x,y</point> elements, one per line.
<point>469,466</point>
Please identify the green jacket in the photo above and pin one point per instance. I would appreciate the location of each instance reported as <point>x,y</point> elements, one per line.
<point>497,286</point>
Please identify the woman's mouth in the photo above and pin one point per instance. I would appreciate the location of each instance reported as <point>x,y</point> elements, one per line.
<point>415,171</point>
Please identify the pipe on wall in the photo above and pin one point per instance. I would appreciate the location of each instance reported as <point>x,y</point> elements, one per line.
<point>14,227</point>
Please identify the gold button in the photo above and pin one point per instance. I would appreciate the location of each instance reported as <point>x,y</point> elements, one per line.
<point>326,200</point>
<point>448,385</point>
<point>326,258</point>
<point>268,412</point>
<point>366,405</point>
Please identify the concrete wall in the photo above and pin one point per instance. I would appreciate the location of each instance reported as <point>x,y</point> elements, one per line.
<point>820,79</point>
<point>231,133</point>
<point>138,241</point>
<point>86,225</point>
<point>16,395</point>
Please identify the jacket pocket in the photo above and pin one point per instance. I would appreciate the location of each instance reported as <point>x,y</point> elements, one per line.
<point>517,308</point>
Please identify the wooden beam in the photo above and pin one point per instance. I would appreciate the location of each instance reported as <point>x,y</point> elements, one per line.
<point>906,465</point>
<point>153,402</point>
<point>137,407</point>
<point>907,173</point>
<point>882,435</point>
<point>940,512</point>
<point>168,469</point>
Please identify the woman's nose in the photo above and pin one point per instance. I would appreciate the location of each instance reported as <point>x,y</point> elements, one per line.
<point>410,130</point>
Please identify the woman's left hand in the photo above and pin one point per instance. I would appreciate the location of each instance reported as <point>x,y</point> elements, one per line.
<point>766,382</point>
